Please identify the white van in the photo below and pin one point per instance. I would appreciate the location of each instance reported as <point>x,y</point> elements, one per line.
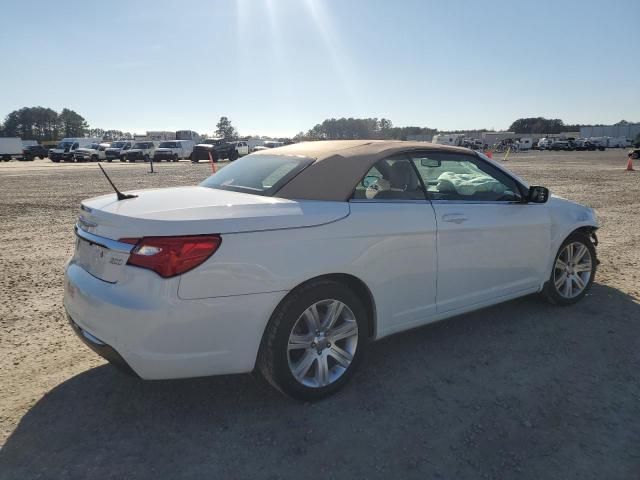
<point>67,146</point>
<point>455,139</point>
<point>141,151</point>
<point>173,150</point>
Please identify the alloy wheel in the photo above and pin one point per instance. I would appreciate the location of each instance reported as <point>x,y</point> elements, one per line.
<point>572,270</point>
<point>322,343</point>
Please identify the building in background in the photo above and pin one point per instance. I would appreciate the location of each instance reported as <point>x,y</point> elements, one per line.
<point>629,131</point>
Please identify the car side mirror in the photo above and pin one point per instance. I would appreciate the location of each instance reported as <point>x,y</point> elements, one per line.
<point>538,195</point>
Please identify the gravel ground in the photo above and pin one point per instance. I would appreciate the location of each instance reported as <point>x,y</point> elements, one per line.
<point>521,390</point>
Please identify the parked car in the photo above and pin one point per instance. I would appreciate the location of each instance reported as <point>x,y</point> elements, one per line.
<point>293,260</point>
<point>634,154</point>
<point>218,148</point>
<point>559,145</point>
<point>66,148</point>
<point>173,150</point>
<point>583,144</point>
<point>32,151</point>
<point>140,151</point>
<point>91,153</point>
<point>118,149</point>
<point>10,147</point>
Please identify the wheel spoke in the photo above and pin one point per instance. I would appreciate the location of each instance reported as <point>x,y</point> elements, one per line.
<point>580,283</point>
<point>301,368</point>
<point>570,252</point>
<point>312,318</point>
<point>322,371</point>
<point>333,312</point>
<point>346,330</point>
<point>298,341</point>
<point>560,281</point>
<point>568,288</point>
<point>583,267</point>
<point>343,357</point>
<point>580,253</point>
<point>560,264</point>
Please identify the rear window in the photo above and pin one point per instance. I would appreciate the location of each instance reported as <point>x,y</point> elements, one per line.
<point>259,174</point>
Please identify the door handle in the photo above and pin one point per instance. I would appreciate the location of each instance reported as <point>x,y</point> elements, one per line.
<point>457,218</point>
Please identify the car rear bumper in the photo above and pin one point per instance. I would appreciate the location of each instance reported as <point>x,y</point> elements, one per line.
<point>105,351</point>
<point>142,324</point>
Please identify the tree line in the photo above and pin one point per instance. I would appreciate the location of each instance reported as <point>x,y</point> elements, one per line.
<point>45,124</point>
<point>361,128</point>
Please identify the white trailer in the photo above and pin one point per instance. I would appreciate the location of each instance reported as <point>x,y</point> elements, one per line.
<point>10,147</point>
<point>525,143</point>
<point>448,139</point>
<point>160,136</point>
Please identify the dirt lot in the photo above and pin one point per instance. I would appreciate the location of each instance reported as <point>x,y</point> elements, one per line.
<point>520,390</point>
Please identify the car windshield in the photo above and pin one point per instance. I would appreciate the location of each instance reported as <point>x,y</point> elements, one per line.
<point>64,145</point>
<point>141,145</point>
<point>260,174</point>
<point>212,142</point>
<point>169,145</point>
<point>93,146</point>
<point>117,144</point>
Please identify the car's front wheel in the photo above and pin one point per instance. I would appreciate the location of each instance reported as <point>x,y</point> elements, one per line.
<point>574,270</point>
<point>314,340</point>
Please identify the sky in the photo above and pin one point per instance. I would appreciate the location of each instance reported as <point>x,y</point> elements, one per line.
<point>277,67</point>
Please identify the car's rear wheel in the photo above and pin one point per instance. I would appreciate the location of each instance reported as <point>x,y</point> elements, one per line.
<point>233,155</point>
<point>315,340</point>
<point>175,157</point>
<point>574,270</point>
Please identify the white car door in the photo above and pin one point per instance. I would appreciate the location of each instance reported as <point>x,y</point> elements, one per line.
<point>491,246</point>
<point>396,229</point>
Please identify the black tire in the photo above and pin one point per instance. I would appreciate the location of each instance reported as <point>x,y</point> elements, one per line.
<point>123,158</point>
<point>273,361</point>
<point>175,157</point>
<point>41,157</point>
<point>94,158</point>
<point>233,155</point>
<point>550,291</point>
<point>109,160</point>
<point>55,160</point>
<point>146,158</point>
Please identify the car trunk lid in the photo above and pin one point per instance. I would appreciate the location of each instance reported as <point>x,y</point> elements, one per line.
<point>200,210</point>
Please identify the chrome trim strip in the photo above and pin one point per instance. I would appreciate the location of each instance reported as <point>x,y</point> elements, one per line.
<point>103,242</point>
<point>387,200</point>
<point>478,202</point>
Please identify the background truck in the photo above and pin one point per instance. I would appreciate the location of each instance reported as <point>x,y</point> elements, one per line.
<point>67,146</point>
<point>173,150</point>
<point>10,147</point>
<point>219,149</point>
<point>118,149</point>
<point>141,151</point>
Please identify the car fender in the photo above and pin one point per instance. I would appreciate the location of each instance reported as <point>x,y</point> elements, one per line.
<point>567,217</point>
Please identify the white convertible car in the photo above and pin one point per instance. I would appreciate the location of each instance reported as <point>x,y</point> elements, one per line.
<point>292,260</point>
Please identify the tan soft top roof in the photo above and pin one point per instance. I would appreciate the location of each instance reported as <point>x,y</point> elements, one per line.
<point>340,164</point>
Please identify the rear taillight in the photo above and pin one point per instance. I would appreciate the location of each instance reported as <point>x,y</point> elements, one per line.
<point>171,256</point>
